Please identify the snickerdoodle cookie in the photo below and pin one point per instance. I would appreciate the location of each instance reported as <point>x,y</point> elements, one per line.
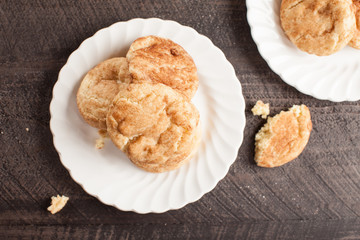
<point>283,137</point>
<point>319,27</point>
<point>99,87</point>
<point>156,59</point>
<point>157,127</point>
<point>355,41</point>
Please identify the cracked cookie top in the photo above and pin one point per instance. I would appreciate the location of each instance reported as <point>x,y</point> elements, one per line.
<point>157,127</point>
<point>319,27</point>
<point>99,87</point>
<point>156,59</point>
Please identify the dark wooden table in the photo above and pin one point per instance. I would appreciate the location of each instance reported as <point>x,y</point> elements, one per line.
<point>316,196</point>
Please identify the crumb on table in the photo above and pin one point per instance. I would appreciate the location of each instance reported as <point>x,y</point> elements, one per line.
<point>261,109</point>
<point>57,203</point>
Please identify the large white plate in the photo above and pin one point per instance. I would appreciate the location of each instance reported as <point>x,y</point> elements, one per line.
<point>107,173</point>
<point>335,77</point>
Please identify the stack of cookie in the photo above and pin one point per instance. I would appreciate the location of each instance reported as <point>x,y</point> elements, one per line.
<point>144,103</point>
<point>321,27</point>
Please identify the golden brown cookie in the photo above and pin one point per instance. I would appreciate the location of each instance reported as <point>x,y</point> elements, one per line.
<point>156,59</point>
<point>99,87</point>
<point>283,137</point>
<point>320,27</point>
<point>154,125</point>
<point>355,41</point>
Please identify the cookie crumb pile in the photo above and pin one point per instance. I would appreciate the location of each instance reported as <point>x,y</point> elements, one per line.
<point>143,101</point>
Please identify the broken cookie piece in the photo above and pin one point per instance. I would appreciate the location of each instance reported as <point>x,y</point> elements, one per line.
<point>261,108</point>
<point>57,203</point>
<point>283,137</point>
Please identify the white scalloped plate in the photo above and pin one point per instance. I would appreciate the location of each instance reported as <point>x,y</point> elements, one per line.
<point>107,174</point>
<point>335,77</point>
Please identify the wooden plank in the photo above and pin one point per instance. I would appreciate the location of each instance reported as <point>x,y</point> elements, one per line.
<point>320,230</point>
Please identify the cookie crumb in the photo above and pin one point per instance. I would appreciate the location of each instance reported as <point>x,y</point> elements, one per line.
<point>103,133</point>
<point>57,203</point>
<point>100,142</point>
<point>261,109</point>
<point>27,129</point>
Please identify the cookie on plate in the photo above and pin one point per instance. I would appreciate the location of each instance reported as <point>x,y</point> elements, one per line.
<point>319,27</point>
<point>154,125</point>
<point>156,59</point>
<point>99,87</point>
<point>355,41</point>
<point>283,137</point>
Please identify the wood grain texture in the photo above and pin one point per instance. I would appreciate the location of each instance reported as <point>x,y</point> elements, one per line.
<point>317,196</point>
<point>259,230</point>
